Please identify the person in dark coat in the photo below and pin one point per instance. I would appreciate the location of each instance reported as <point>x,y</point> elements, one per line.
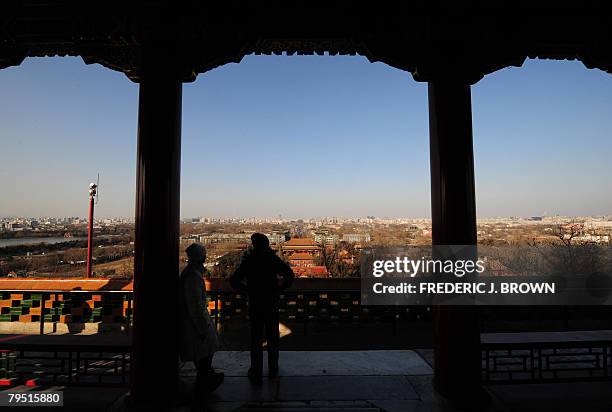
<point>262,275</point>
<point>198,339</point>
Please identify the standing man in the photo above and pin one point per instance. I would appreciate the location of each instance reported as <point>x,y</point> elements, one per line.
<point>262,275</point>
<point>198,339</point>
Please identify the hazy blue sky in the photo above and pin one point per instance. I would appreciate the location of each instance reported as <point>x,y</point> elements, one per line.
<point>305,136</point>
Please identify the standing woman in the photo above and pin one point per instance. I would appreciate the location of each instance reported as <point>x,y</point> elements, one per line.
<point>198,339</point>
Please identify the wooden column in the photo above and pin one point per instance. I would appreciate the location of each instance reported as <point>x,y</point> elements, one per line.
<point>156,249</point>
<point>453,208</point>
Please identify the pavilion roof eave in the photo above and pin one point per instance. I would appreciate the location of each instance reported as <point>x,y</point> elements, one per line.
<point>469,43</point>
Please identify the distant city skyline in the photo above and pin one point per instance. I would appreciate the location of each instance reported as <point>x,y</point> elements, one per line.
<point>305,136</point>
<point>309,218</point>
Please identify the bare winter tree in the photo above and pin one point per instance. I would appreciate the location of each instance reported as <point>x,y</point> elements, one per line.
<point>338,266</point>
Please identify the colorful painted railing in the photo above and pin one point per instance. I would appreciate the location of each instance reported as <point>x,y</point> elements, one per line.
<point>106,301</point>
<point>64,307</point>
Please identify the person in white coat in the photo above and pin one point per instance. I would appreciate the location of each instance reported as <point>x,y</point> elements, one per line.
<point>198,339</point>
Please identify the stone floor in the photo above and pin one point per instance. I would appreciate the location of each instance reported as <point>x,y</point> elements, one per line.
<point>349,381</point>
<point>323,380</point>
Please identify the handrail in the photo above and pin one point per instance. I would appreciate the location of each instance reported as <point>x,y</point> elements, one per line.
<point>119,285</point>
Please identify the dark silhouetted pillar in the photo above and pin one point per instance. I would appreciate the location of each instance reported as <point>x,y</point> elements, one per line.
<point>453,208</point>
<point>156,255</point>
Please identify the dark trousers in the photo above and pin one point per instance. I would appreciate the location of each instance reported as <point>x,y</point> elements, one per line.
<point>203,367</point>
<point>264,323</point>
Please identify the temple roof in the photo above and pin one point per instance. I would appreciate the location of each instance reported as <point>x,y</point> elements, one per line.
<point>301,256</point>
<point>297,241</point>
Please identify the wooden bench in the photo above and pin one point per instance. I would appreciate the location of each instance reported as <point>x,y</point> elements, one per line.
<point>66,360</point>
<point>546,356</point>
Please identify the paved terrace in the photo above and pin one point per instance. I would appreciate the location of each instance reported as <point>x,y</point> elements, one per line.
<point>355,380</point>
<point>349,381</point>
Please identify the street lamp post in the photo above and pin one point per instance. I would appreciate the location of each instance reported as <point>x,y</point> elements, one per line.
<point>93,191</point>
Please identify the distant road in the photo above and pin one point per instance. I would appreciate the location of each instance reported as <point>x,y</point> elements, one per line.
<point>35,240</point>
